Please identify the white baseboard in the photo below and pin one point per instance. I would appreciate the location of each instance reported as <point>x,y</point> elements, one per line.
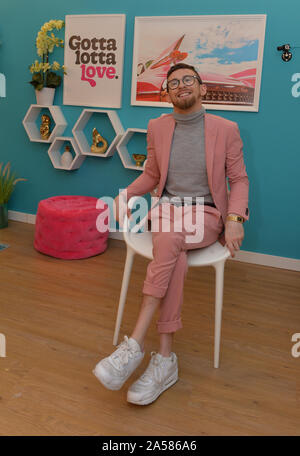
<point>267,260</point>
<point>21,217</point>
<point>244,256</point>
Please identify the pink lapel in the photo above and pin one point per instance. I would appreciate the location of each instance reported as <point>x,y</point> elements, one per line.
<point>210,139</point>
<point>166,137</point>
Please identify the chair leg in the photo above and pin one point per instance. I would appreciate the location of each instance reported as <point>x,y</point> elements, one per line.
<point>124,288</point>
<point>219,267</point>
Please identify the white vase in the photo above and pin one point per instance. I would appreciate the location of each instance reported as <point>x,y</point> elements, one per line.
<point>45,96</point>
<point>66,159</point>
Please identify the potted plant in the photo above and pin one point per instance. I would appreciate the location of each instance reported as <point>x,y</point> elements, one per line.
<point>8,182</point>
<point>44,76</point>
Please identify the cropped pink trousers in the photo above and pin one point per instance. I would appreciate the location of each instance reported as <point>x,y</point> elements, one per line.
<point>174,231</point>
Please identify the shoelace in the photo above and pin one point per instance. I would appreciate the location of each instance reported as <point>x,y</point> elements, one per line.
<point>121,356</point>
<point>154,370</point>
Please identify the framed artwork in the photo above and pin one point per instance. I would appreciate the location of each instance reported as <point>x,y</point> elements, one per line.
<point>226,50</point>
<point>94,51</point>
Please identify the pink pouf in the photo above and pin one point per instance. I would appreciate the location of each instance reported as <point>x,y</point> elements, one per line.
<point>66,227</point>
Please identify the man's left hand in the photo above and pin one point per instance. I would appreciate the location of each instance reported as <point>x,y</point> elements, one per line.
<point>234,235</point>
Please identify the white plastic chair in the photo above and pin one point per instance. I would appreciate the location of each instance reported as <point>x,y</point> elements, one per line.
<point>214,255</point>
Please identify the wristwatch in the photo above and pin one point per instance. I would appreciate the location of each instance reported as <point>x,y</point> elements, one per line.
<point>235,218</point>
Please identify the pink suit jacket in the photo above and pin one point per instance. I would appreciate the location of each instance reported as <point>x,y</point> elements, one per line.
<point>224,159</point>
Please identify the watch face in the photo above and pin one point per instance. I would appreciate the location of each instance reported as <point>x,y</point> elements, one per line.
<point>236,218</point>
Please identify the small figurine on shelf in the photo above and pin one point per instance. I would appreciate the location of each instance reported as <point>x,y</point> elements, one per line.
<point>139,159</point>
<point>45,127</point>
<point>97,138</point>
<point>66,158</point>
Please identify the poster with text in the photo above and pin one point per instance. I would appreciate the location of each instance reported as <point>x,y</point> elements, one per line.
<point>94,48</point>
<point>226,50</point>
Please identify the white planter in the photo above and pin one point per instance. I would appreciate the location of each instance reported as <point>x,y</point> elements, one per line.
<point>45,96</point>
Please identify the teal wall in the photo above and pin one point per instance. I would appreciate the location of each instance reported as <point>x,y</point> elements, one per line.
<point>271,136</point>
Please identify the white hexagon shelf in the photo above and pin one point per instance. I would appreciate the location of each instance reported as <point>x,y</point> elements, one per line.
<point>122,147</point>
<point>33,131</point>
<point>108,125</point>
<point>56,150</point>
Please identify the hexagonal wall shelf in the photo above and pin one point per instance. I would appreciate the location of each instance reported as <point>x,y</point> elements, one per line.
<point>123,151</point>
<point>107,123</point>
<point>56,150</point>
<point>33,130</point>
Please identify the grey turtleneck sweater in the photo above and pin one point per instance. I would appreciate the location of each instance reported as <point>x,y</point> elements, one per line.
<point>187,174</point>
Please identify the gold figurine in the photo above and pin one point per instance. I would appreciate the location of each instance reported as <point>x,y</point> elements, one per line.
<point>97,138</point>
<point>139,159</point>
<point>45,127</point>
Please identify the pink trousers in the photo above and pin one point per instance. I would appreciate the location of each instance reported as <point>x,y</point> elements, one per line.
<point>173,233</point>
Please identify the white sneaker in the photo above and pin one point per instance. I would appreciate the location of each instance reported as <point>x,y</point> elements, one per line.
<point>160,374</point>
<point>114,370</point>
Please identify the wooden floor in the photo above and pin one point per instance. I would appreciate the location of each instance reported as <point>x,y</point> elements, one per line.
<point>58,318</point>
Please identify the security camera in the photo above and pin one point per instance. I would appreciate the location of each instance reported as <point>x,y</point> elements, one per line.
<point>286,54</point>
<point>284,47</point>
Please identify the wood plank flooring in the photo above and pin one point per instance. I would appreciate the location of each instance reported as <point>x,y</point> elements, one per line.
<point>58,318</point>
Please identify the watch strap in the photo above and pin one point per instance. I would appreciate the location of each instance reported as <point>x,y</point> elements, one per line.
<point>235,218</point>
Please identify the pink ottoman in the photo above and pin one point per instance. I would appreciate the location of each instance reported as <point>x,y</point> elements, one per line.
<point>66,227</point>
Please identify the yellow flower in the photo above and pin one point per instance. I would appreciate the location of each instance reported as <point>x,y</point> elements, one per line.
<point>46,27</point>
<point>45,45</point>
<point>55,66</point>
<point>46,67</point>
<point>36,67</point>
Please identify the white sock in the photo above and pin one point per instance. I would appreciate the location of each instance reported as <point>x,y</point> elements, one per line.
<point>142,349</point>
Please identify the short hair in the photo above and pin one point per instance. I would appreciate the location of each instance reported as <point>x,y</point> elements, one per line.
<point>180,66</point>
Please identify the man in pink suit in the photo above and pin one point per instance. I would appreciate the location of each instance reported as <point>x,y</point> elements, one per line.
<point>190,154</point>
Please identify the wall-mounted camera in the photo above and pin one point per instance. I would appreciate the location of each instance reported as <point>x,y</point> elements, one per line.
<point>286,54</point>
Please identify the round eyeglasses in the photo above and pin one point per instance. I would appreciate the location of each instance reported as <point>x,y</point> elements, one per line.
<point>188,80</point>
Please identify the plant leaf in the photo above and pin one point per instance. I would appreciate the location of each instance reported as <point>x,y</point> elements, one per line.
<point>7,183</point>
<point>19,180</point>
<point>53,80</point>
<point>6,169</point>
